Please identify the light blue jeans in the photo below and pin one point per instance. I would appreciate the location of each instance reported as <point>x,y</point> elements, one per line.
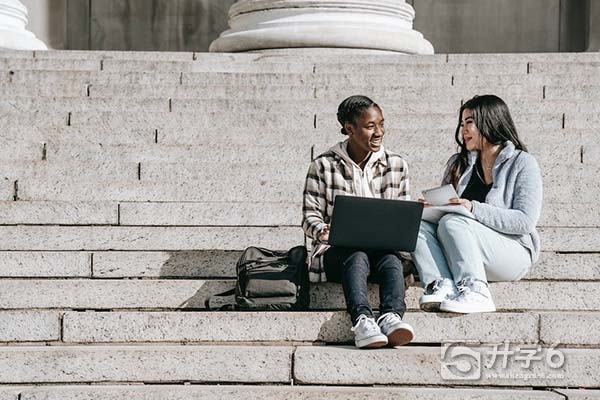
<point>458,247</point>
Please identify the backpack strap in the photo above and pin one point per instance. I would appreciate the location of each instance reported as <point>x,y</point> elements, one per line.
<point>226,307</point>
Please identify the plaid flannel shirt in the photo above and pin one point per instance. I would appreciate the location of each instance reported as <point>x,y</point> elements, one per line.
<point>329,175</point>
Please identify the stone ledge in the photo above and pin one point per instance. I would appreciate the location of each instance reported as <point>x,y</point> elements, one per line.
<point>65,364</point>
<point>330,327</point>
<point>49,64</point>
<point>579,394</point>
<point>221,264</point>
<point>77,238</point>
<point>570,329</point>
<point>23,264</point>
<point>417,365</point>
<point>58,213</point>
<point>239,392</point>
<point>179,294</point>
<point>30,326</point>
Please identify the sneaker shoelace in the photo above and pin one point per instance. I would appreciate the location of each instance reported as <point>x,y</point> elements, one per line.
<point>387,319</point>
<point>434,286</point>
<point>368,325</point>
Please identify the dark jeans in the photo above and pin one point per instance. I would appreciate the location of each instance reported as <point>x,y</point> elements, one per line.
<point>353,267</point>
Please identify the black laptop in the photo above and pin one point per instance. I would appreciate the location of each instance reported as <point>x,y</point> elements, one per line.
<point>375,224</point>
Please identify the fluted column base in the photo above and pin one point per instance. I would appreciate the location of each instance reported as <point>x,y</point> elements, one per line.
<point>13,35</point>
<point>356,24</point>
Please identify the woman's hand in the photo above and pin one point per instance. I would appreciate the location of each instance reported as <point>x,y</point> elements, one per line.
<point>324,235</point>
<point>461,202</point>
<point>425,203</point>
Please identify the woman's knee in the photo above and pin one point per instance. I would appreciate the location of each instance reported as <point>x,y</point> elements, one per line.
<point>451,223</point>
<point>357,259</point>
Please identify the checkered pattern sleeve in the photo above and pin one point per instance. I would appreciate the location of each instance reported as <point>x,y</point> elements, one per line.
<point>404,192</point>
<point>313,208</point>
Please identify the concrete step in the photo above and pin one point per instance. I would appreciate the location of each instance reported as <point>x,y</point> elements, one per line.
<point>97,55</point>
<point>399,105</point>
<point>581,78</point>
<point>282,392</point>
<point>503,58</point>
<point>76,238</point>
<point>311,365</point>
<point>317,54</point>
<point>78,79</point>
<point>32,119</point>
<point>58,213</point>
<point>226,214</point>
<point>221,264</point>
<point>189,183</point>
<point>329,327</point>
<point>72,170</point>
<point>7,189</point>
<point>293,66</point>
<point>51,78</point>
<point>237,190</point>
<point>336,92</point>
<point>30,326</point>
<point>279,327</point>
<point>27,264</point>
<point>210,264</point>
<point>416,365</point>
<point>167,364</point>
<point>565,68</point>
<point>579,93</point>
<point>179,294</point>
<point>411,78</point>
<point>13,64</point>
<point>472,67</point>
<point>550,148</point>
<point>579,394</point>
<point>221,153</point>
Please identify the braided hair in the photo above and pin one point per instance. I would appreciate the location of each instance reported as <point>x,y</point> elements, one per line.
<point>351,108</point>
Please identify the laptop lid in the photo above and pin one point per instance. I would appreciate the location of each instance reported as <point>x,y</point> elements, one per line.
<point>375,224</point>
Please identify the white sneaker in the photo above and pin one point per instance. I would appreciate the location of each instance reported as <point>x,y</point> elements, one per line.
<point>367,334</point>
<point>397,331</point>
<point>474,297</point>
<point>435,292</point>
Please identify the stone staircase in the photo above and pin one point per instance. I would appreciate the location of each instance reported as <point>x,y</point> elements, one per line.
<point>130,183</point>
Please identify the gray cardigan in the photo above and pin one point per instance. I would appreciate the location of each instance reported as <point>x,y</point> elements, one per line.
<point>514,202</point>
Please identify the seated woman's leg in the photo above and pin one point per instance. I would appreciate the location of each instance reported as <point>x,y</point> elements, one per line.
<point>478,252</point>
<point>474,251</point>
<point>432,266</point>
<point>350,267</point>
<point>388,271</point>
<point>429,255</point>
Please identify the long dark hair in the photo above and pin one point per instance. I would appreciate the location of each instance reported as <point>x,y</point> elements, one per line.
<point>351,108</point>
<point>493,120</point>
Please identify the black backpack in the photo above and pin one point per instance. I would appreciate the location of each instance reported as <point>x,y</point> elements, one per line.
<point>270,280</point>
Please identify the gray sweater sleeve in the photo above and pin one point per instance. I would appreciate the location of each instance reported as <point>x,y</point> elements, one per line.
<point>526,189</point>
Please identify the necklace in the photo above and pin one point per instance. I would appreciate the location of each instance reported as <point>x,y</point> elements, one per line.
<point>482,178</point>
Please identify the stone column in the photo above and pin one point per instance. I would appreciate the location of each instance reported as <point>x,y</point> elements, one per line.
<point>358,24</point>
<point>13,35</point>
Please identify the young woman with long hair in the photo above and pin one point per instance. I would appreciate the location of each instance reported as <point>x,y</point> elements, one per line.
<point>500,183</point>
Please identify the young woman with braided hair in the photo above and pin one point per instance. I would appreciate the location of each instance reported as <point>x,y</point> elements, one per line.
<point>359,166</point>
